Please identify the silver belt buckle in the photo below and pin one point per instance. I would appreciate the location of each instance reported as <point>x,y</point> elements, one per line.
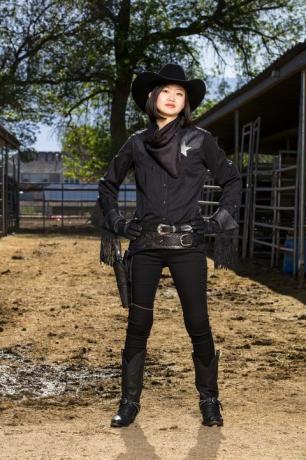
<point>161,232</point>
<point>181,239</point>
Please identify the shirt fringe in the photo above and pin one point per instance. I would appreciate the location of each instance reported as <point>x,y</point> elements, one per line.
<point>107,247</point>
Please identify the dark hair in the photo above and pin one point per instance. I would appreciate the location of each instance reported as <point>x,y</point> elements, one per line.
<point>153,112</point>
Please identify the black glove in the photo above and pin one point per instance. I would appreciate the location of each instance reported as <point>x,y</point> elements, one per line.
<point>219,222</point>
<point>205,227</point>
<point>120,226</point>
<point>129,229</point>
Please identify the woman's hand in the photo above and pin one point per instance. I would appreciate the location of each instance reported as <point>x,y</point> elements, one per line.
<point>129,229</point>
<point>205,227</point>
<point>120,226</point>
<point>220,221</point>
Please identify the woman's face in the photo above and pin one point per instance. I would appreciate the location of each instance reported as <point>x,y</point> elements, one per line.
<point>171,100</point>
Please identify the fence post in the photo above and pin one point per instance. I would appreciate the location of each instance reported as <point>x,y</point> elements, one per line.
<point>62,207</point>
<point>5,196</point>
<point>44,209</point>
<point>18,192</point>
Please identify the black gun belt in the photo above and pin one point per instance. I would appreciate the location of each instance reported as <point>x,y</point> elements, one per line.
<point>163,229</point>
<point>158,236</point>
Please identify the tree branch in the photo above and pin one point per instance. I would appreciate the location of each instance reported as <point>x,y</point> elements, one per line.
<point>84,99</point>
<point>102,11</point>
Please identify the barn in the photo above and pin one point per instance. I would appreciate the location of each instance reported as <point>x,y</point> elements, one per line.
<point>262,127</point>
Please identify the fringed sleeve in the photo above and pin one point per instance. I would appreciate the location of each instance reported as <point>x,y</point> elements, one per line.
<point>226,248</point>
<point>227,176</point>
<point>108,238</point>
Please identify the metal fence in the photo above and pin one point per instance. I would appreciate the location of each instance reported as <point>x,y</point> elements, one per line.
<point>275,209</point>
<point>62,206</point>
<point>268,215</point>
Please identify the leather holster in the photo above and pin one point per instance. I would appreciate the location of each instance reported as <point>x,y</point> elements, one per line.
<point>121,269</point>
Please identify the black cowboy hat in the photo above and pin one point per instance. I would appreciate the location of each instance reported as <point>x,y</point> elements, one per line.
<point>169,73</point>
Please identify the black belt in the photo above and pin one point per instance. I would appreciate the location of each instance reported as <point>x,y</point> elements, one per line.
<point>163,229</point>
<point>172,240</point>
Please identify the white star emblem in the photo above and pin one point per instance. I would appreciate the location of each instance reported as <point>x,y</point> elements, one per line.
<point>184,148</point>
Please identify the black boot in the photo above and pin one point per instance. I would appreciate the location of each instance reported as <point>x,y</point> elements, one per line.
<point>131,387</point>
<point>207,386</point>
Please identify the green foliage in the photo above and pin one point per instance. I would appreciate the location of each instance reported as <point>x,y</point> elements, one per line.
<point>262,159</point>
<point>88,152</point>
<point>204,107</point>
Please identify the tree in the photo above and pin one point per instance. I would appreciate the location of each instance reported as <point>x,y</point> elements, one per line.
<point>138,35</point>
<point>30,33</point>
<point>79,58</point>
<point>83,145</point>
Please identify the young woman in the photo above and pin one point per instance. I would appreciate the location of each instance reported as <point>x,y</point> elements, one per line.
<point>170,159</point>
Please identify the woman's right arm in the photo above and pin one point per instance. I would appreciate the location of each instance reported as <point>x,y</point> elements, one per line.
<point>109,189</point>
<point>117,170</point>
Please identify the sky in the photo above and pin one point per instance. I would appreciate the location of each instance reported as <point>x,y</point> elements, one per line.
<point>47,138</point>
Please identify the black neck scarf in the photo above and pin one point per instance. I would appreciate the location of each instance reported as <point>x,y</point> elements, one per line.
<point>164,144</point>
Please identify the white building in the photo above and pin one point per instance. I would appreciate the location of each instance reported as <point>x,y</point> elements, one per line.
<point>45,167</point>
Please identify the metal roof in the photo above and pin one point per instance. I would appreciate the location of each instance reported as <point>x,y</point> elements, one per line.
<point>289,63</point>
<point>273,95</point>
<point>6,138</point>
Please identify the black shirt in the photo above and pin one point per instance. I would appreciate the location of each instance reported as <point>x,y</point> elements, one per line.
<point>161,198</point>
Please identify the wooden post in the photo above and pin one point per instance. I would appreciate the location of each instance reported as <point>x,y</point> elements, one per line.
<point>301,171</point>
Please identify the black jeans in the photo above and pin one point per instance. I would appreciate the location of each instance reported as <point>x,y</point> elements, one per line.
<point>189,272</point>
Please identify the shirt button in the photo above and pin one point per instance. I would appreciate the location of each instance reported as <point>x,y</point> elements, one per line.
<point>165,185</point>
<point>164,202</point>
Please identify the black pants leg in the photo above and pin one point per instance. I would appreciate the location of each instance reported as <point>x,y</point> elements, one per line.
<point>189,273</point>
<point>145,272</point>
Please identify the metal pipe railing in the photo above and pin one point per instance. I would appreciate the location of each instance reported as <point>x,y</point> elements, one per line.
<point>275,194</point>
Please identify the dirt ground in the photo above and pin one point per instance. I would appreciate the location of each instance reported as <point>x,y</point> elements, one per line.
<point>62,328</point>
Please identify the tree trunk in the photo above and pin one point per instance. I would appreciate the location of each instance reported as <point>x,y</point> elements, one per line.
<point>119,103</point>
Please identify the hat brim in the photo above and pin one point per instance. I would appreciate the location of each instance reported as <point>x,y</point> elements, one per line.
<point>146,81</point>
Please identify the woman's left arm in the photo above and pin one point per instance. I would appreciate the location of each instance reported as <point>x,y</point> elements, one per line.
<point>227,176</point>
